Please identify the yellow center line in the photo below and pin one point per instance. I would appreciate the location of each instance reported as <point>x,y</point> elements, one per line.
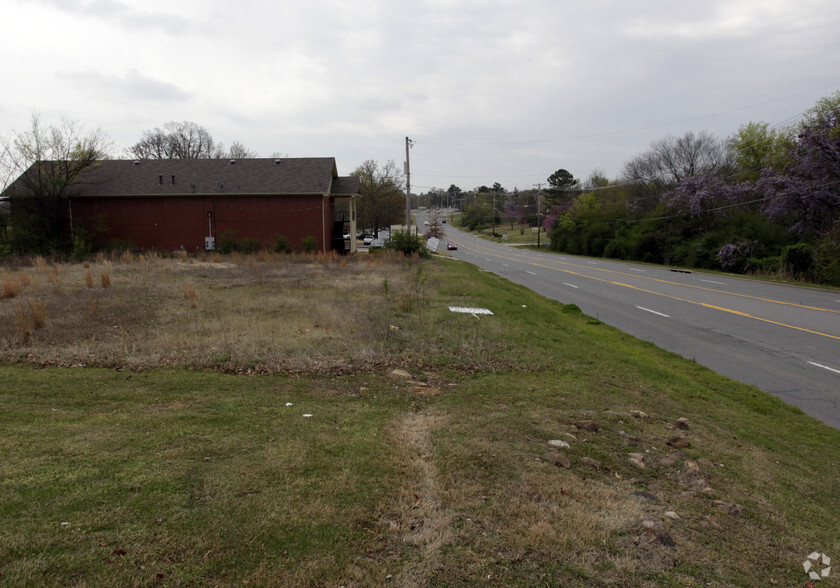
<point>677,298</point>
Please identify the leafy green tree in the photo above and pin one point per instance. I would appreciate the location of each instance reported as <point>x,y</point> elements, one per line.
<point>453,195</point>
<point>756,146</point>
<point>382,201</point>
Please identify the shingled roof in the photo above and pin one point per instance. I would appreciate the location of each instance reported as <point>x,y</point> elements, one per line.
<point>187,177</point>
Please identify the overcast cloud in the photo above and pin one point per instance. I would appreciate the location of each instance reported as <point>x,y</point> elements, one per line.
<point>490,91</point>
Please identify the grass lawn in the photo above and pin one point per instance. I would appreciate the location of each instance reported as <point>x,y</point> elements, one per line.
<point>310,420</point>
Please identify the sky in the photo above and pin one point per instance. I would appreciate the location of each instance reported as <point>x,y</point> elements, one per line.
<point>505,91</point>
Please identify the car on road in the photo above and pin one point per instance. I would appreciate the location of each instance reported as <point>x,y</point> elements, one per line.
<point>368,239</point>
<point>452,246</point>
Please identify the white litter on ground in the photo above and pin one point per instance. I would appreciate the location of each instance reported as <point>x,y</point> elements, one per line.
<point>468,310</point>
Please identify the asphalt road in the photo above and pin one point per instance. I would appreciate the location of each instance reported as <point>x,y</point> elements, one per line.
<point>782,339</point>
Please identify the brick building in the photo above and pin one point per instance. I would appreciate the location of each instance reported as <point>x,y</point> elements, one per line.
<point>186,204</point>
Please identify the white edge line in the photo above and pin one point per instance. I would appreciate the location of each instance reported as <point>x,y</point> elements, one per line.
<point>632,269</point>
<point>713,282</point>
<point>569,285</point>
<point>532,273</point>
<point>825,367</point>
<point>652,311</point>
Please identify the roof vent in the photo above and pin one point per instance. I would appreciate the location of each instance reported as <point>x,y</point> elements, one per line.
<point>277,161</point>
<point>232,161</point>
<point>136,162</point>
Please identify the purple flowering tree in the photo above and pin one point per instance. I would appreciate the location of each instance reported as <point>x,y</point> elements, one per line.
<point>806,194</point>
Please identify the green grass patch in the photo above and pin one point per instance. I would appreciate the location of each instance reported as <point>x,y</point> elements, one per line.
<point>207,471</point>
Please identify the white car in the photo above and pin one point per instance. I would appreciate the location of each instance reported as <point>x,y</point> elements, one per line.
<point>368,240</point>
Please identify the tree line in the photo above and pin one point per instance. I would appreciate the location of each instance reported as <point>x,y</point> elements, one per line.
<point>765,200</point>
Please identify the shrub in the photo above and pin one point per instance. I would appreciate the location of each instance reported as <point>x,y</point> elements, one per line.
<point>827,258</point>
<point>228,242</point>
<point>798,259</point>
<point>309,244</point>
<point>81,248</point>
<point>735,257</point>
<point>281,244</point>
<point>407,243</point>
<point>249,245</point>
<point>766,265</point>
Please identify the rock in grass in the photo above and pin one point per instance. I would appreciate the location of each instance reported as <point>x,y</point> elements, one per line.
<point>681,423</point>
<point>628,439</point>
<point>646,495</point>
<point>638,460</point>
<point>590,426</point>
<point>560,460</point>
<point>730,507</point>
<point>559,443</point>
<point>679,442</point>
<point>655,532</point>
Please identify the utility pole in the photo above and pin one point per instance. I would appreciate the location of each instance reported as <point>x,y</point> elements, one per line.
<point>493,212</point>
<point>408,144</point>
<point>539,225</point>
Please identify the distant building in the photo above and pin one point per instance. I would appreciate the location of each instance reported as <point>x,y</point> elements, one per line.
<point>186,204</point>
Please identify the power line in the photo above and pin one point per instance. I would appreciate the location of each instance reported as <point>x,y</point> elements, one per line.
<point>623,131</point>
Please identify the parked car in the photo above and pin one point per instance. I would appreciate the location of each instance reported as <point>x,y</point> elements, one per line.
<point>368,239</point>
<point>377,244</point>
<point>451,246</point>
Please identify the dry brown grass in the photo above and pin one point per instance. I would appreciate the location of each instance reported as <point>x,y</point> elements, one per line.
<point>263,313</point>
<point>189,294</point>
<point>38,313</point>
<point>421,518</point>
<point>23,328</point>
<point>11,287</point>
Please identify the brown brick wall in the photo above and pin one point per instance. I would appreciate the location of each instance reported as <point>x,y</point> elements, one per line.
<point>173,223</point>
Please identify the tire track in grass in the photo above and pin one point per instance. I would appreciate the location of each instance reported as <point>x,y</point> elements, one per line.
<point>423,521</point>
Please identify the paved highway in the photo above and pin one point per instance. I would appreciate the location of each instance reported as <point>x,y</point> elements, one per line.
<point>782,339</point>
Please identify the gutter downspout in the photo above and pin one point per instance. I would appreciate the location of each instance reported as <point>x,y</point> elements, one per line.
<point>323,224</point>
